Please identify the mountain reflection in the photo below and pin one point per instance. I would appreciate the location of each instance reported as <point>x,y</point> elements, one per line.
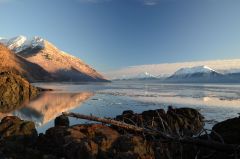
<point>49,105</point>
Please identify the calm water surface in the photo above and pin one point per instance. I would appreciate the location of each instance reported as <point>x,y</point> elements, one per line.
<point>216,102</point>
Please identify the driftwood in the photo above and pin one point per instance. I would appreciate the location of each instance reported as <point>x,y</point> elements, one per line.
<point>185,140</point>
<point>115,123</point>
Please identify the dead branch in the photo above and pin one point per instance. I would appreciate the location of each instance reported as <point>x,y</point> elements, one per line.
<point>106,121</point>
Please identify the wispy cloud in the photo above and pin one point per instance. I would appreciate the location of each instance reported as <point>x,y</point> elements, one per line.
<point>143,2</point>
<point>93,1</point>
<point>151,2</point>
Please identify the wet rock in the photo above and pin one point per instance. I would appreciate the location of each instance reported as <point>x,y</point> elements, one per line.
<point>14,90</point>
<point>229,131</point>
<point>61,120</point>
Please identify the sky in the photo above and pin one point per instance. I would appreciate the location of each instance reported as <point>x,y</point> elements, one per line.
<point>113,34</point>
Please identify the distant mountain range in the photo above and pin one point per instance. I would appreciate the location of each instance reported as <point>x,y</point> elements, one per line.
<point>198,74</point>
<point>59,65</point>
<point>164,70</point>
<point>141,76</point>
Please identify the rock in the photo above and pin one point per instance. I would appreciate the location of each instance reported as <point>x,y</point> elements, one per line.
<point>14,129</point>
<point>92,142</point>
<point>18,138</point>
<point>229,130</point>
<point>14,91</point>
<point>186,121</point>
<point>61,121</point>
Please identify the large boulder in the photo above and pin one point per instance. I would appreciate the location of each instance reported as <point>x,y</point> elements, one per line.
<point>228,130</point>
<point>18,138</point>
<point>93,141</point>
<point>185,121</point>
<point>13,128</point>
<point>14,91</point>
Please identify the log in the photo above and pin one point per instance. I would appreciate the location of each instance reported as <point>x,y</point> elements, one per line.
<point>172,138</point>
<point>105,121</point>
<point>117,124</point>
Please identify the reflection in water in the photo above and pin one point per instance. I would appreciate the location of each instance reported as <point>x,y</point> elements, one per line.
<point>215,102</point>
<point>49,105</point>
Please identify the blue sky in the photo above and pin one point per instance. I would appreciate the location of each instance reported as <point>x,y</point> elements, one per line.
<point>111,34</point>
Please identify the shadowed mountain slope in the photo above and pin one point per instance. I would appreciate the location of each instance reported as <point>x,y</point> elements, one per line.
<point>62,66</point>
<point>11,62</point>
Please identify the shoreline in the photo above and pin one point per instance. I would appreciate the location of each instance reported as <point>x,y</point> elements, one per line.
<point>97,139</point>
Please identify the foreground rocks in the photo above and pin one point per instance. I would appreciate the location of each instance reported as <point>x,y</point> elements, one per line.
<point>14,91</point>
<point>185,121</point>
<point>93,141</point>
<point>103,142</point>
<point>97,141</point>
<point>229,130</point>
<point>17,136</point>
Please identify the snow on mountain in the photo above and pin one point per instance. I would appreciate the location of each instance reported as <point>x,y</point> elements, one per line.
<point>145,75</point>
<point>14,63</point>
<point>192,70</point>
<point>198,74</point>
<point>20,43</point>
<point>167,69</point>
<point>61,65</point>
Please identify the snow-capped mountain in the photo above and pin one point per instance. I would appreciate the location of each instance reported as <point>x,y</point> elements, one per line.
<point>11,62</point>
<point>167,69</point>
<point>144,75</point>
<point>198,74</point>
<point>61,65</point>
<point>193,70</point>
<point>140,76</point>
<point>20,43</point>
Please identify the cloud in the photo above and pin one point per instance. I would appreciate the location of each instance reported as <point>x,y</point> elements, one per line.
<point>93,1</point>
<point>150,2</point>
<point>144,2</point>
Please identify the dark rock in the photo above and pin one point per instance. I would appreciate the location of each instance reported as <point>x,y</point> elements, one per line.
<point>18,138</point>
<point>14,129</point>
<point>93,141</point>
<point>186,121</point>
<point>229,130</point>
<point>14,91</point>
<point>128,112</point>
<point>61,120</point>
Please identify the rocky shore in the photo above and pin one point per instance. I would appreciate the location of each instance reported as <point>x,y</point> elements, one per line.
<point>19,139</point>
<point>14,91</point>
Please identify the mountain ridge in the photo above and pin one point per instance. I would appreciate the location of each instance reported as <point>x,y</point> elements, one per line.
<point>198,74</point>
<point>167,69</point>
<point>10,62</point>
<point>61,65</point>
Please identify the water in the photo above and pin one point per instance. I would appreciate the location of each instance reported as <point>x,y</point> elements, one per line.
<point>217,102</point>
